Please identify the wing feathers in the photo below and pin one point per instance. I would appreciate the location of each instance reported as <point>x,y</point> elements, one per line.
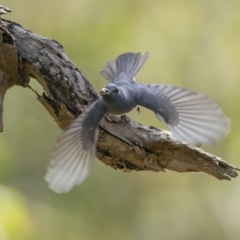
<point>74,152</point>
<point>70,163</point>
<point>193,117</point>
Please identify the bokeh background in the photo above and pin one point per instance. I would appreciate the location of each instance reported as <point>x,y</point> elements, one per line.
<point>194,44</point>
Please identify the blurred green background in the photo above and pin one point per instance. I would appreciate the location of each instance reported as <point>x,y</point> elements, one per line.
<point>193,44</point>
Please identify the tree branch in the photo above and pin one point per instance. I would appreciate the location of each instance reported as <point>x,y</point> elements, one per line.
<point>123,143</point>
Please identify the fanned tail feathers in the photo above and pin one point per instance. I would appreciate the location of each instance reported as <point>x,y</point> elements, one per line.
<point>129,63</point>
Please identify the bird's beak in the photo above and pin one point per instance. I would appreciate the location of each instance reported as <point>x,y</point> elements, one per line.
<point>104,91</point>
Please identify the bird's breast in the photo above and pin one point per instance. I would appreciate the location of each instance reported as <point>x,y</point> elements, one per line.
<point>120,107</point>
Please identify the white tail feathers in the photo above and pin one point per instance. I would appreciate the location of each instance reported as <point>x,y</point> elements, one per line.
<point>129,63</point>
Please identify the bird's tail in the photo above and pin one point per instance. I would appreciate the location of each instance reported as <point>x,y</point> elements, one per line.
<point>129,63</point>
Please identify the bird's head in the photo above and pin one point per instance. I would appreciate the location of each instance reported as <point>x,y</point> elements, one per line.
<point>111,91</point>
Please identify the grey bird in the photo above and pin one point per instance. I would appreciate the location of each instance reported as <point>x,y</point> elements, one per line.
<point>191,117</point>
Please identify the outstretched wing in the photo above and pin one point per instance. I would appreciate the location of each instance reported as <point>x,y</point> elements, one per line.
<point>74,151</point>
<point>128,63</point>
<point>191,116</point>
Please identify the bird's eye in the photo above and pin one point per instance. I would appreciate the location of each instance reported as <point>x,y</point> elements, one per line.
<point>116,90</point>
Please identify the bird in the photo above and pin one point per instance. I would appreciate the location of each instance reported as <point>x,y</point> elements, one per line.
<point>191,117</point>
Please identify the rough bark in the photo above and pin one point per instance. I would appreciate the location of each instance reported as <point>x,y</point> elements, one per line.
<point>123,143</point>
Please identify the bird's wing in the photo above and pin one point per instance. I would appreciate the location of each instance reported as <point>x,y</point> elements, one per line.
<point>74,151</point>
<point>128,63</point>
<point>191,116</point>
